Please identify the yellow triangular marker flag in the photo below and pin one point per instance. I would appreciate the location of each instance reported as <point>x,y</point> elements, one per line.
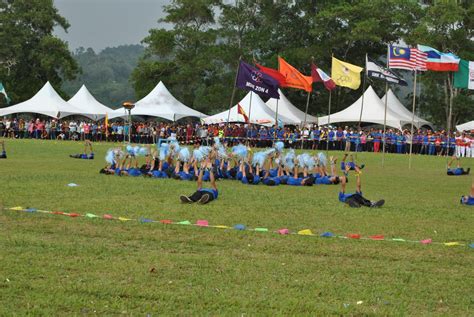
<point>17,208</point>
<point>124,219</point>
<point>305,232</point>
<point>450,244</point>
<point>345,74</point>
<point>220,227</point>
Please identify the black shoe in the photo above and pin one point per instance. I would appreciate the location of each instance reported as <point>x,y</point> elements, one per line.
<point>378,204</point>
<point>362,166</point>
<point>468,170</point>
<point>353,204</point>
<point>185,199</point>
<point>204,199</point>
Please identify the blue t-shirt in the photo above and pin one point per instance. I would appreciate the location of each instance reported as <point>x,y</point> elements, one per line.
<point>212,191</point>
<point>343,197</point>
<point>276,181</point>
<point>322,180</point>
<point>456,171</point>
<point>134,172</point>
<point>294,181</point>
<point>256,180</point>
<point>351,164</point>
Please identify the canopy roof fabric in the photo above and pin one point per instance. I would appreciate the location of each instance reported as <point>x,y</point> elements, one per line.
<point>46,102</point>
<point>373,112</point>
<point>397,107</point>
<point>468,126</point>
<point>288,110</point>
<point>88,105</point>
<point>160,103</point>
<point>260,113</point>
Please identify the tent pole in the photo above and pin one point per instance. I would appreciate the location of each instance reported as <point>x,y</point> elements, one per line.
<point>250,114</point>
<point>412,120</point>
<point>233,91</point>
<point>329,121</point>
<point>304,123</point>
<point>385,124</point>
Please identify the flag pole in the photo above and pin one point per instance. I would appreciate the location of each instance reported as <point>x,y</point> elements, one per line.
<point>412,120</point>
<point>363,94</point>
<point>385,124</point>
<point>448,134</point>
<point>305,113</point>
<point>276,123</point>
<point>233,91</point>
<point>329,120</point>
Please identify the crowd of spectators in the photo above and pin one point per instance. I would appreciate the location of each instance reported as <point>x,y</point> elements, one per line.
<point>424,141</point>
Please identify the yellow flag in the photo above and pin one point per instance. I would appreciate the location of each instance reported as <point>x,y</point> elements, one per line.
<point>106,123</point>
<point>345,74</point>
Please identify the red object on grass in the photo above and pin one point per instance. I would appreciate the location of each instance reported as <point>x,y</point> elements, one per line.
<point>107,216</point>
<point>58,213</point>
<point>73,214</point>
<point>353,236</point>
<point>166,221</point>
<point>377,237</point>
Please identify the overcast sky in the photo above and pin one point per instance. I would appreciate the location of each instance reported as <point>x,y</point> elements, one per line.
<point>107,23</point>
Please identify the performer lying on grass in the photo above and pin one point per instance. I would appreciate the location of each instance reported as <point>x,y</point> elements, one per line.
<point>458,170</point>
<point>90,156</point>
<point>351,164</point>
<point>3,155</point>
<point>203,195</point>
<point>356,200</point>
<point>322,177</point>
<point>468,199</point>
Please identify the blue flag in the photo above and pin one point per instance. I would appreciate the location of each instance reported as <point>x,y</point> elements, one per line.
<point>252,79</point>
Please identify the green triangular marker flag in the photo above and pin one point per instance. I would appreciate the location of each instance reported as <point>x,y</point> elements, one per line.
<point>2,91</point>
<point>185,222</point>
<point>399,239</point>
<point>91,216</point>
<point>261,229</point>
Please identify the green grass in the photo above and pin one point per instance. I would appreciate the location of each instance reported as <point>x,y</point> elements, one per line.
<point>56,265</point>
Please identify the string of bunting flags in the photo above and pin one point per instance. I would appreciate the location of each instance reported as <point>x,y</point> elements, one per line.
<point>242,227</point>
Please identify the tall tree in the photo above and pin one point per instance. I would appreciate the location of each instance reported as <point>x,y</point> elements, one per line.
<point>30,55</point>
<point>183,57</point>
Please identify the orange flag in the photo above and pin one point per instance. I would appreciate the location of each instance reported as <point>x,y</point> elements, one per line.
<point>240,110</point>
<point>294,78</point>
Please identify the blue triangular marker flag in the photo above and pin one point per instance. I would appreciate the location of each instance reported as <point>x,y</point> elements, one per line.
<point>145,220</point>
<point>31,210</point>
<point>239,227</point>
<point>327,235</point>
<point>471,245</point>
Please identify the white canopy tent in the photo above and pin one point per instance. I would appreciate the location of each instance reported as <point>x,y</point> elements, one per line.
<point>260,113</point>
<point>46,102</point>
<point>159,103</point>
<point>89,106</point>
<point>373,112</point>
<point>397,107</point>
<point>468,126</point>
<point>288,110</point>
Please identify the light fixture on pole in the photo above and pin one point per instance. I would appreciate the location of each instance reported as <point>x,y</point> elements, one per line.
<point>128,105</point>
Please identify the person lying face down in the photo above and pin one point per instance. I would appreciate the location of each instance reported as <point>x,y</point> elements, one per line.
<point>356,200</point>
<point>203,195</point>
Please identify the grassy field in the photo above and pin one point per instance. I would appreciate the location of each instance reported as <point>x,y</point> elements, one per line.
<point>57,265</point>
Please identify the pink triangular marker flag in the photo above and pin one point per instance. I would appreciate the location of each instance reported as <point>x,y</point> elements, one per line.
<point>202,223</point>
<point>109,217</point>
<point>283,231</point>
<point>377,237</point>
<point>426,241</point>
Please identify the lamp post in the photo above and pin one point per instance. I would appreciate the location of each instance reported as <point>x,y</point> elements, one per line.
<point>128,105</point>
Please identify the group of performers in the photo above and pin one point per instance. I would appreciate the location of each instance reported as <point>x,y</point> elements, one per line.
<point>270,167</point>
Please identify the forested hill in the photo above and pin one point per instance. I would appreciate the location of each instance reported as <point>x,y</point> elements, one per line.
<point>106,74</point>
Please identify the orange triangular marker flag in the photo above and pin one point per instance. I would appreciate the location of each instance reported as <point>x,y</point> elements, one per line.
<point>293,77</point>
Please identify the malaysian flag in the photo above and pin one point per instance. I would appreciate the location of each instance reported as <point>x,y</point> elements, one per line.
<point>407,58</point>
